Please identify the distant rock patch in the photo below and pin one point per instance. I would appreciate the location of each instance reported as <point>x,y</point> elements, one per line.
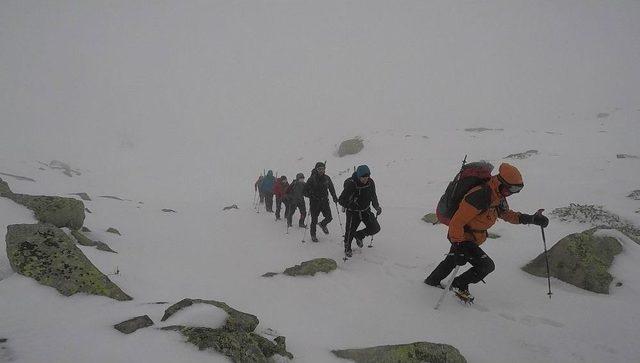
<point>350,146</point>
<point>310,268</point>
<point>481,129</point>
<point>46,254</point>
<point>114,231</point>
<point>114,197</point>
<point>525,155</point>
<point>597,216</point>
<point>4,189</point>
<point>87,210</point>
<point>603,115</point>
<point>83,196</point>
<point>493,235</point>
<point>233,206</point>
<point>167,210</point>
<point>626,156</point>
<point>131,325</point>
<point>580,259</point>
<point>431,218</point>
<point>59,165</point>
<point>270,274</point>
<point>635,195</point>
<point>85,241</point>
<point>406,353</point>
<point>18,177</point>
<point>235,339</point>
<point>84,229</point>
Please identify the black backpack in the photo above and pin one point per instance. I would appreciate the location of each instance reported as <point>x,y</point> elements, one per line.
<point>471,175</point>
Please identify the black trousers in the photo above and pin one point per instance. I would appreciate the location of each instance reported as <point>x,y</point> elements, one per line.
<point>268,201</point>
<point>279,203</point>
<point>353,221</point>
<point>317,206</point>
<point>481,266</point>
<point>292,209</point>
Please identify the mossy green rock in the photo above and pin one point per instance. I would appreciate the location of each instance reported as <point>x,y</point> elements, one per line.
<point>59,211</point>
<point>310,268</point>
<point>237,320</point>
<point>431,218</point>
<point>5,191</point>
<point>580,259</point>
<point>46,254</point>
<point>597,216</point>
<point>240,346</point>
<point>350,147</point>
<point>404,353</point>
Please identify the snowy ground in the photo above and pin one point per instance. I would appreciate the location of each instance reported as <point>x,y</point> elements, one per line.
<point>181,106</point>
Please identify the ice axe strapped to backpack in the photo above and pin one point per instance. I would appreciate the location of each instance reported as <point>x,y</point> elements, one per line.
<point>470,176</point>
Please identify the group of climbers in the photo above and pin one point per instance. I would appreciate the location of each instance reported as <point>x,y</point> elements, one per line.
<point>358,195</point>
<point>480,203</point>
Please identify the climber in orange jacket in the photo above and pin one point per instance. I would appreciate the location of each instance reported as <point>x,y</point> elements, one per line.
<point>477,212</point>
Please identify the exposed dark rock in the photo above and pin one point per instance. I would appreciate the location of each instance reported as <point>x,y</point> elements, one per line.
<point>3,340</point>
<point>85,241</point>
<point>104,247</point>
<point>310,268</point>
<point>114,231</point>
<point>626,156</point>
<point>635,195</point>
<point>603,115</point>
<point>87,210</point>
<point>233,206</point>
<point>580,259</point>
<point>597,216</point>
<point>406,353</point>
<point>85,229</point>
<point>431,218</point>
<point>493,235</point>
<point>270,274</point>
<point>350,147</point>
<point>83,196</point>
<point>131,325</point>
<point>66,169</point>
<point>5,191</point>
<point>18,177</point>
<point>524,155</point>
<point>481,129</point>
<point>46,254</point>
<point>166,210</point>
<point>114,197</point>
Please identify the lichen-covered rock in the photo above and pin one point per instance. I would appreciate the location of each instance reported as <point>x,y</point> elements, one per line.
<point>524,155</point>
<point>133,324</point>
<point>310,268</point>
<point>5,191</point>
<point>46,254</point>
<point>59,211</point>
<point>418,352</point>
<point>597,216</point>
<point>240,346</point>
<point>493,235</point>
<point>113,230</point>
<point>431,218</point>
<point>350,147</point>
<point>237,320</point>
<point>635,195</point>
<point>581,259</point>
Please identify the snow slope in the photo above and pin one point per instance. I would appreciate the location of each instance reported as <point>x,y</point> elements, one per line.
<point>181,106</point>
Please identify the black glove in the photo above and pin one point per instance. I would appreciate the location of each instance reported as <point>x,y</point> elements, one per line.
<point>457,251</point>
<point>378,211</point>
<point>538,219</point>
<point>335,200</point>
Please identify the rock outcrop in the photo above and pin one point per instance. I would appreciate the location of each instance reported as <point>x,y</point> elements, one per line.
<point>133,324</point>
<point>419,352</point>
<point>597,216</point>
<point>46,254</point>
<point>310,268</point>
<point>350,147</point>
<point>580,259</point>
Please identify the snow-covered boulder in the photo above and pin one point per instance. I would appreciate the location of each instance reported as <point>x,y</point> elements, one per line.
<point>580,259</point>
<point>407,353</point>
<point>46,254</point>
<point>350,147</point>
<point>234,339</point>
<point>310,268</point>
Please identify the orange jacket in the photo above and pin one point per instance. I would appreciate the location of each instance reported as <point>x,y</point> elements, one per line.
<point>478,211</point>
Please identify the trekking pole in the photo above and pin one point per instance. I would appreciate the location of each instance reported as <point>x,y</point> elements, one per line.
<point>446,288</point>
<point>371,242</point>
<point>338,212</point>
<point>304,234</point>
<point>546,257</point>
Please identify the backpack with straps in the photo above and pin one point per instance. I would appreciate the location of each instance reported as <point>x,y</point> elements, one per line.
<point>470,176</point>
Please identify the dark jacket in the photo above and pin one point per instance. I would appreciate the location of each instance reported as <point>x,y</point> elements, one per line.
<point>357,196</point>
<point>318,187</point>
<point>295,191</point>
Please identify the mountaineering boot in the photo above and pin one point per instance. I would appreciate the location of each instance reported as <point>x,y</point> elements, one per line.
<point>348,252</point>
<point>324,228</point>
<point>302,225</point>
<point>359,241</point>
<point>314,238</point>
<point>434,284</point>
<point>461,291</point>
